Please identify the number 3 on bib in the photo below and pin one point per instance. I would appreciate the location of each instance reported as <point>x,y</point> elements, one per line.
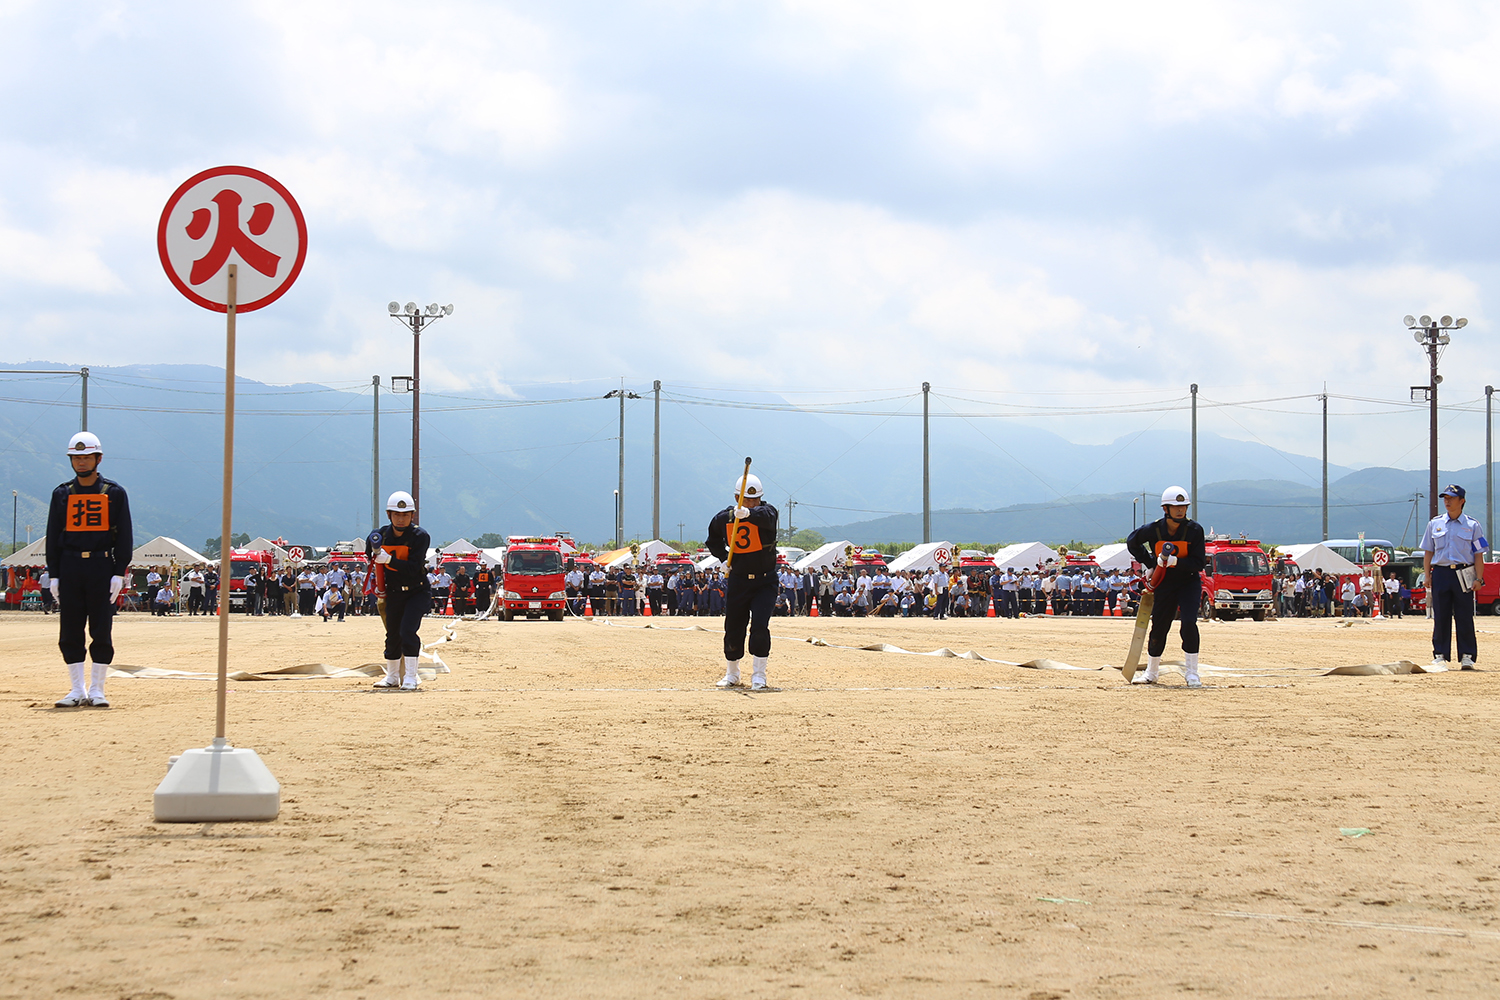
<point>743,538</point>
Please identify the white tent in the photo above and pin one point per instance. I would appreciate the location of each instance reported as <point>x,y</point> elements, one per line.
<point>1024,555</point>
<point>822,557</point>
<point>34,554</point>
<point>708,563</point>
<point>162,550</point>
<point>1113,556</point>
<point>492,557</point>
<point>1316,555</point>
<point>649,551</point>
<point>278,553</point>
<point>461,547</point>
<point>923,557</point>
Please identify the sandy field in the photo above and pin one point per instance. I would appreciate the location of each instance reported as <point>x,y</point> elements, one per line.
<point>576,811</point>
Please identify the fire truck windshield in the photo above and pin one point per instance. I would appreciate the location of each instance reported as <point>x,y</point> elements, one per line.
<point>1241,564</point>
<point>533,562</point>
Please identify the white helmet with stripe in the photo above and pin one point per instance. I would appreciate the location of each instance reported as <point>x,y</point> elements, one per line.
<point>1174,496</point>
<point>84,443</point>
<point>401,502</point>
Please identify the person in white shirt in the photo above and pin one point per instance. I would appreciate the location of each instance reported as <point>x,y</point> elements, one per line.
<point>1393,595</point>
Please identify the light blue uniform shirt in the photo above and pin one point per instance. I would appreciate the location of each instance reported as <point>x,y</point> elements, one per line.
<point>1454,542</point>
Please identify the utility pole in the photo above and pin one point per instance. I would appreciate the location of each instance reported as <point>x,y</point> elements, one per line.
<point>1489,459</point>
<point>1325,463</point>
<point>656,466</point>
<point>1194,487</point>
<point>926,468</point>
<point>84,374</point>
<point>375,459</point>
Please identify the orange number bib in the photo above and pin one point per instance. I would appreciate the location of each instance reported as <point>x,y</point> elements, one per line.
<point>742,539</point>
<point>396,551</point>
<point>87,512</point>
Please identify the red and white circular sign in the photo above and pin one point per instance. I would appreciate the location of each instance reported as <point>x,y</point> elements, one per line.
<point>296,553</point>
<point>232,215</point>
<point>1382,557</point>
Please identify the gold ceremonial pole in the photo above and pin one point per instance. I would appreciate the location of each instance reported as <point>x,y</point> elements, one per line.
<point>225,545</point>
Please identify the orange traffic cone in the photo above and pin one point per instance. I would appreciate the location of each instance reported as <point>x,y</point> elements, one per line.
<point>588,607</point>
<point>812,609</point>
<point>1049,604</point>
<point>991,612</point>
<point>1375,606</point>
<point>646,609</point>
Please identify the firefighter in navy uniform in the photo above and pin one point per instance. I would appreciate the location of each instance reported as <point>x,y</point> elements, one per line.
<point>484,587</point>
<point>89,545</point>
<point>402,552</point>
<point>750,531</point>
<point>1173,546</point>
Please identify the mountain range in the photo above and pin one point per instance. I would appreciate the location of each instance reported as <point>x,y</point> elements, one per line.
<point>549,462</point>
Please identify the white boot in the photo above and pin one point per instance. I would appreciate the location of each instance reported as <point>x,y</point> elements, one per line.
<point>392,678</point>
<point>412,680</point>
<point>76,695</point>
<point>1190,673</point>
<point>731,676</point>
<point>758,674</point>
<point>96,686</point>
<point>1153,668</point>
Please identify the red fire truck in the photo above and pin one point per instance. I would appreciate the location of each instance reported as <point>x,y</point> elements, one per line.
<point>531,582</point>
<point>1237,579</point>
<point>857,557</point>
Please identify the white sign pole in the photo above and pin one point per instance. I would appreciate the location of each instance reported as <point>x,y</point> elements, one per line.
<point>226,547</point>
<point>221,783</point>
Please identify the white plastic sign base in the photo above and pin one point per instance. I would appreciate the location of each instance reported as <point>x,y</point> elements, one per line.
<point>218,784</point>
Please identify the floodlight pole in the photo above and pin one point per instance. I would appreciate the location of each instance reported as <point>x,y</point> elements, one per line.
<point>1432,335</point>
<point>622,395</point>
<point>417,320</point>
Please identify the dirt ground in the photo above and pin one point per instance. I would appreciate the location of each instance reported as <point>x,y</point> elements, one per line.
<point>576,811</point>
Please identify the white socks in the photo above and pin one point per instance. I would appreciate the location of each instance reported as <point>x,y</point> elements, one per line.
<point>412,680</point>
<point>1153,668</point>
<point>75,695</point>
<point>1190,673</point>
<point>758,673</point>
<point>731,674</point>
<point>392,678</point>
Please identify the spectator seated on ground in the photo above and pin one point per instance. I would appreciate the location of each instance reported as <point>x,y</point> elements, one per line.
<point>783,605</point>
<point>887,607</point>
<point>908,604</point>
<point>844,604</point>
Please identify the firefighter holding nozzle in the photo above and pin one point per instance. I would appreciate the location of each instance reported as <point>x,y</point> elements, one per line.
<point>1172,547</point>
<point>744,535</point>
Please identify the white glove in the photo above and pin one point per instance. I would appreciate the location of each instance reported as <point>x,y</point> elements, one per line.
<point>116,584</point>
<point>742,512</point>
<point>1172,560</point>
<point>53,588</point>
<point>382,557</point>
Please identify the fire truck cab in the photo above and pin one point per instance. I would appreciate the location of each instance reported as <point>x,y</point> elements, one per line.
<point>241,562</point>
<point>531,581</point>
<point>1237,579</point>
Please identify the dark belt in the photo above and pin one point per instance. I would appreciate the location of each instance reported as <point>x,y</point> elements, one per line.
<point>1454,566</point>
<point>89,553</point>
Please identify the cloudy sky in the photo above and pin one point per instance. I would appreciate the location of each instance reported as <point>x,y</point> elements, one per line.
<point>1060,204</point>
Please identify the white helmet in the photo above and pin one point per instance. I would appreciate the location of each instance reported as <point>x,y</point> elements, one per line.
<point>752,487</point>
<point>84,443</point>
<point>401,502</point>
<point>1174,496</point>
